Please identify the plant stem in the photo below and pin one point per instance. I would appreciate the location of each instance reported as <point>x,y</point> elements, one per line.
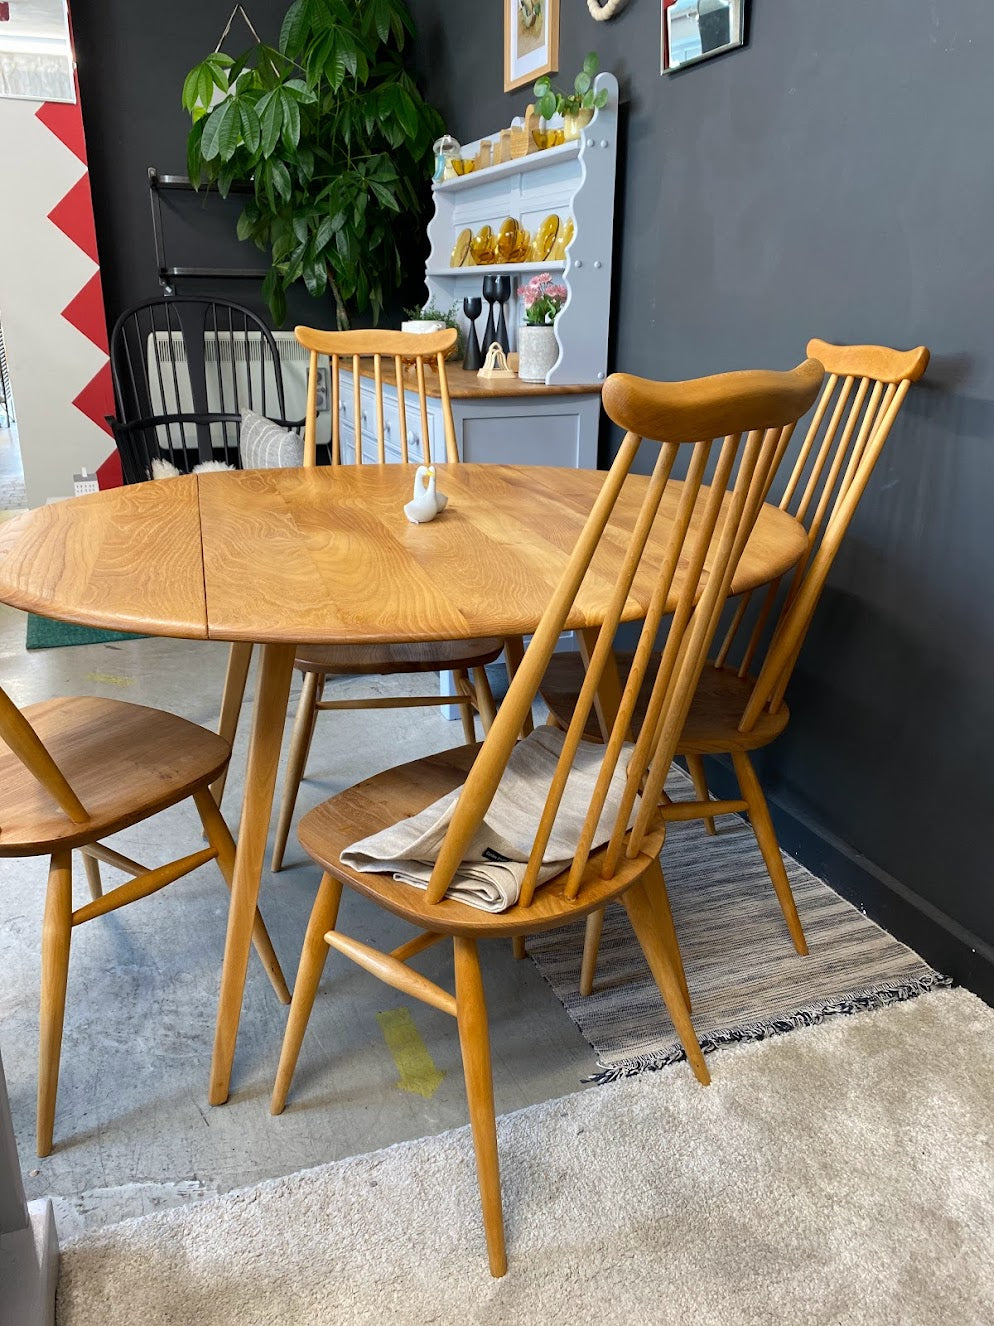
<point>340,309</point>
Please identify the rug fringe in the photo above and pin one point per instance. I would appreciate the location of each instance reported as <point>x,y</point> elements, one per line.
<point>857,1002</point>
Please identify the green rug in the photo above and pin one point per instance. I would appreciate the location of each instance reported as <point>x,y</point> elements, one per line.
<point>44,633</point>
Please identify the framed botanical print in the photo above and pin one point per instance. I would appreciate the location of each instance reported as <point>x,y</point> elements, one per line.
<point>531,40</point>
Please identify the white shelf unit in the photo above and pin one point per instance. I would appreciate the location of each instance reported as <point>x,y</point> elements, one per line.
<point>574,180</point>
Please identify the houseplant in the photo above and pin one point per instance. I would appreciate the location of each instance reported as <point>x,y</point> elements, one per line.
<point>332,136</point>
<point>543,300</point>
<point>576,107</point>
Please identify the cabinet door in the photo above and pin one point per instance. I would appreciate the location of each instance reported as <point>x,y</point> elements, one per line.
<point>554,430</point>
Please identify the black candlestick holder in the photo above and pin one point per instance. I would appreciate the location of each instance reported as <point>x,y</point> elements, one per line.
<point>473,359</point>
<point>503,289</point>
<point>490,295</point>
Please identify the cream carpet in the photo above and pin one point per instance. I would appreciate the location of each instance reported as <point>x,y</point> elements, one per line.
<point>842,1175</point>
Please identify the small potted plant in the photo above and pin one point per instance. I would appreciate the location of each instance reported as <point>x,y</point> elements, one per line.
<point>576,107</point>
<point>543,300</point>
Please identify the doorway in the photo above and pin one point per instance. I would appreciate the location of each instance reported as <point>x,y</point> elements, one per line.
<point>12,494</point>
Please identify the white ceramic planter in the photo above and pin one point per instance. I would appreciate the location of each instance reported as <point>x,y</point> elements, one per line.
<point>423,326</point>
<point>538,351</point>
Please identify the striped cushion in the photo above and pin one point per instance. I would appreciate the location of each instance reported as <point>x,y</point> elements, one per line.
<point>266,446</point>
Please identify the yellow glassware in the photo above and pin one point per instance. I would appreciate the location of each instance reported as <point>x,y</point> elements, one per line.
<point>460,251</point>
<point>483,247</point>
<point>522,247</point>
<point>563,241</point>
<point>547,138</point>
<point>545,237</point>
<point>463,165</point>
<point>507,240</point>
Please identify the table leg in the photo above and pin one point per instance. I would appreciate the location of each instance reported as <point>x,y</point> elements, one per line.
<point>269,716</point>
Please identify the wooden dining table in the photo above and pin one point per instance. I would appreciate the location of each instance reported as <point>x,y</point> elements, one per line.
<point>282,558</point>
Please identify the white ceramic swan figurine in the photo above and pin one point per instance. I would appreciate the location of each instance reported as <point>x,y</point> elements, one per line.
<point>427,502</point>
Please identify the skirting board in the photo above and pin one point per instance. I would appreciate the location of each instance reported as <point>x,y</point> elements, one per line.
<point>941,941</point>
<point>29,1269</point>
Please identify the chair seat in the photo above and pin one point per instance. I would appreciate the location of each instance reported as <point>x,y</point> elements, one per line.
<point>124,762</point>
<point>398,793</point>
<point>385,659</point>
<point>712,726</point>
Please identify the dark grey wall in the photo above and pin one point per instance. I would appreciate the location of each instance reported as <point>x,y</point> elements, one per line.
<point>833,179</point>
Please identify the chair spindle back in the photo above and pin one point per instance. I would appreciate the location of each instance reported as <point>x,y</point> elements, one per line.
<point>409,356</point>
<point>183,370</point>
<point>739,417</point>
<point>864,388</point>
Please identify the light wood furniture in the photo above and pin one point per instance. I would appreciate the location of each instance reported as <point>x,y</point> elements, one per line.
<point>73,772</point>
<point>693,570</point>
<point>408,356</point>
<point>277,557</point>
<point>735,711</point>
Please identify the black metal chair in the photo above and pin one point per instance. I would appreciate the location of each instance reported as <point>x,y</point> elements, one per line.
<point>183,370</point>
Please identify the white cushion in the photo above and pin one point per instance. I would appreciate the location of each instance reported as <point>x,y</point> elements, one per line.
<point>266,446</point>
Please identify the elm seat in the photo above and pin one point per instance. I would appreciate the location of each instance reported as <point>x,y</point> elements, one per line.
<point>395,659</point>
<point>74,771</point>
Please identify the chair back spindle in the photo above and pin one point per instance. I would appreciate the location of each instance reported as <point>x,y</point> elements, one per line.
<point>863,391</point>
<point>688,578</point>
<point>408,357</point>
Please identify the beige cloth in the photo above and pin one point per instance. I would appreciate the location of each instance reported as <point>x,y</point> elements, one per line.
<point>493,867</point>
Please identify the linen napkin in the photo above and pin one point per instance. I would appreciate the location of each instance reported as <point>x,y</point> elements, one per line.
<point>493,867</point>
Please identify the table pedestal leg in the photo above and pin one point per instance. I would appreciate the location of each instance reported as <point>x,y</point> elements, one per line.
<point>272,694</point>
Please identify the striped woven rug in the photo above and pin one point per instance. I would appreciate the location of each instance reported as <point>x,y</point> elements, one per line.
<point>745,979</point>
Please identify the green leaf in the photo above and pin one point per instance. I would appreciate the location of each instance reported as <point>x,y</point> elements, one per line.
<point>281,179</point>
<point>190,95</point>
<point>220,132</point>
<point>385,195</point>
<point>546,106</point>
<point>591,63</point>
<point>316,278</point>
<point>295,26</point>
<point>205,85</point>
<point>291,121</point>
<point>270,111</point>
<point>249,122</point>
<point>324,234</point>
<point>582,83</point>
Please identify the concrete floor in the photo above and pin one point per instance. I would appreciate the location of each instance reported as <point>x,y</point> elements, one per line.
<point>134,1131</point>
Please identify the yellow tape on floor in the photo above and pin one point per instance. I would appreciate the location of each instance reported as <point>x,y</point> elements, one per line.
<point>417,1070</point>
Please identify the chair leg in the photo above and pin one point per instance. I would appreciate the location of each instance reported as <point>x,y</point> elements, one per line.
<point>219,837</point>
<point>324,915</point>
<point>239,658</point>
<point>638,905</point>
<point>462,686</point>
<point>300,745</point>
<point>762,827</point>
<point>655,886</point>
<point>474,1041</point>
<point>56,931</point>
<point>591,944</point>
<point>484,698</point>
<point>518,947</point>
<point>695,765</point>
<point>92,867</point>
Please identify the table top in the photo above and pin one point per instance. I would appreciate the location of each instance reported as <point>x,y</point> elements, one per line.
<point>327,556</point>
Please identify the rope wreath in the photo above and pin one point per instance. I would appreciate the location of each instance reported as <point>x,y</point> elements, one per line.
<point>604,11</point>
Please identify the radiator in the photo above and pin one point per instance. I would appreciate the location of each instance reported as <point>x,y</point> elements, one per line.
<point>230,358</point>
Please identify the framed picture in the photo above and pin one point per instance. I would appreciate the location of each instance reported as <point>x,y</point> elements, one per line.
<point>694,30</point>
<point>531,40</point>
<point>35,52</point>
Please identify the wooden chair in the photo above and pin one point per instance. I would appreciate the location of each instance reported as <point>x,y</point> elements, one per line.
<point>72,772</point>
<point>687,579</point>
<point>410,357</point>
<point>734,711</point>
